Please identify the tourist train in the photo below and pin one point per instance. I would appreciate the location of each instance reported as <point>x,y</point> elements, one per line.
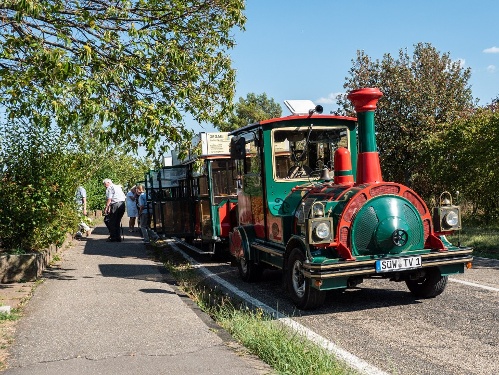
<point>304,194</point>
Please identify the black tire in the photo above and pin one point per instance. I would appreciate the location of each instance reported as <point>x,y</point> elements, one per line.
<point>249,271</point>
<point>428,286</point>
<point>300,288</point>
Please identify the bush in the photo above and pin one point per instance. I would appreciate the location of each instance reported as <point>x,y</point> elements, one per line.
<point>37,206</point>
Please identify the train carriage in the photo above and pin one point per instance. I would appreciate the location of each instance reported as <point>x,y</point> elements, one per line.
<point>312,202</point>
<point>198,196</point>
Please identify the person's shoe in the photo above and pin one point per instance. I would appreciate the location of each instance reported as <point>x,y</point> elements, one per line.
<point>113,240</point>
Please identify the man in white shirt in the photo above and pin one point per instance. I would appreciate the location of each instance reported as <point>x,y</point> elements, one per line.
<point>115,209</point>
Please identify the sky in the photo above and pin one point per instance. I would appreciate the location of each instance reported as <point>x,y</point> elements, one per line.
<point>303,49</point>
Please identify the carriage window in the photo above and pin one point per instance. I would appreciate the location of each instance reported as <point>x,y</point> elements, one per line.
<point>224,178</point>
<point>253,165</point>
<point>299,152</point>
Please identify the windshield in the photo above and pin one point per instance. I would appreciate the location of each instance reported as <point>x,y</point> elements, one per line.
<point>301,153</point>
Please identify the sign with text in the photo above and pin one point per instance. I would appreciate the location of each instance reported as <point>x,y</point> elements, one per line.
<point>215,143</point>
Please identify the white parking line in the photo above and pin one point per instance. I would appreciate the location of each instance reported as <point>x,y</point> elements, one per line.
<point>474,284</point>
<point>351,359</point>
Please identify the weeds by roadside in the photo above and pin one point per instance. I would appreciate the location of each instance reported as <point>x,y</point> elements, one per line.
<point>12,316</point>
<point>484,240</point>
<point>7,324</point>
<point>285,351</point>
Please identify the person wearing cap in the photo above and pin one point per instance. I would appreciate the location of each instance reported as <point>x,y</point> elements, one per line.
<point>115,209</point>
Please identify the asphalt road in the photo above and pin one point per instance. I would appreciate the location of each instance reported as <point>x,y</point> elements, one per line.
<point>381,323</point>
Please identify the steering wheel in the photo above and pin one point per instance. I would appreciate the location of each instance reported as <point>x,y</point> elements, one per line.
<point>297,171</point>
<point>298,155</point>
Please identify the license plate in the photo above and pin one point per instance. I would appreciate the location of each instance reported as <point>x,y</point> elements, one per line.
<point>397,264</point>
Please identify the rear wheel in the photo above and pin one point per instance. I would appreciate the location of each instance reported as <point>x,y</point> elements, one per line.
<point>249,271</point>
<point>430,285</point>
<point>302,293</point>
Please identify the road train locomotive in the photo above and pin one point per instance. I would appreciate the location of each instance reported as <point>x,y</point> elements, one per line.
<point>333,232</point>
<point>308,198</point>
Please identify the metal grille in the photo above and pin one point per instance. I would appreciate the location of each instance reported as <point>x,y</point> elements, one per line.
<point>426,227</point>
<point>344,231</point>
<point>353,207</point>
<point>413,222</point>
<point>416,201</point>
<point>368,223</point>
<point>385,189</point>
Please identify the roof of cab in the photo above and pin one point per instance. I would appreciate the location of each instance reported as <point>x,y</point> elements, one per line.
<point>255,125</point>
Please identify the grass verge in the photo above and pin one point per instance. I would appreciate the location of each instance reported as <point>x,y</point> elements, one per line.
<point>285,351</point>
<point>483,239</point>
<point>7,324</point>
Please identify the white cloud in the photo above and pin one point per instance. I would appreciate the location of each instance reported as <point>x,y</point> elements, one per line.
<point>491,50</point>
<point>330,99</point>
<point>491,69</point>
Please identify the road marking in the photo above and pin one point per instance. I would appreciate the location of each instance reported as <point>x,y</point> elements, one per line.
<point>351,359</point>
<point>474,284</point>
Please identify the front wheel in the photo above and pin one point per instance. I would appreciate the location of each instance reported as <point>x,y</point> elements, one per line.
<point>302,293</point>
<point>430,285</point>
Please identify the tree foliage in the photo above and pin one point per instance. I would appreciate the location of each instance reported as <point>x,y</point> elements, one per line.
<point>40,170</point>
<point>465,158</point>
<point>37,205</point>
<point>121,168</point>
<point>250,110</point>
<point>126,70</point>
<point>422,96</point>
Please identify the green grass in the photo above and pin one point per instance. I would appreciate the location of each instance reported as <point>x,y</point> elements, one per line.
<point>483,239</point>
<point>14,315</point>
<point>284,350</point>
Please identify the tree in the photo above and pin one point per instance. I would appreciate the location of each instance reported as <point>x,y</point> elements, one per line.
<point>250,110</point>
<point>125,70</point>
<point>422,96</point>
<point>465,158</point>
<point>121,168</point>
<point>37,204</point>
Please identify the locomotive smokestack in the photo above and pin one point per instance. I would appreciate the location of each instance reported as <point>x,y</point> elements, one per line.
<point>368,166</point>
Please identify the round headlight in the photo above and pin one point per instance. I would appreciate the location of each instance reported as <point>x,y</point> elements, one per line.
<point>451,219</point>
<point>322,230</point>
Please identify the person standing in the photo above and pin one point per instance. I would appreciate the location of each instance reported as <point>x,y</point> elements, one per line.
<point>131,208</point>
<point>115,209</point>
<point>144,215</point>
<point>81,204</point>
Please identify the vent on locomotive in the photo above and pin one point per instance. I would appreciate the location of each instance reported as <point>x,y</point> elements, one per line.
<point>387,224</point>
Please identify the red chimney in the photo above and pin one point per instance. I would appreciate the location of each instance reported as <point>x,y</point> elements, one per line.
<point>368,166</point>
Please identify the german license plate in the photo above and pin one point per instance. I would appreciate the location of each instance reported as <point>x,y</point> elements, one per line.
<point>397,264</point>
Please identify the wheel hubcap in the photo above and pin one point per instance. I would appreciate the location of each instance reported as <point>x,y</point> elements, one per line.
<point>298,279</point>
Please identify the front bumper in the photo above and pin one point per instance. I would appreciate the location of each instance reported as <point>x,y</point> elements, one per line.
<point>321,271</point>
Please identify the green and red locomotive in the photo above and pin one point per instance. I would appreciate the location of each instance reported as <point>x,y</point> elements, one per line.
<point>311,201</point>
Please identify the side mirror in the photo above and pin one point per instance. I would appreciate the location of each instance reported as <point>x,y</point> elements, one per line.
<point>238,148</point>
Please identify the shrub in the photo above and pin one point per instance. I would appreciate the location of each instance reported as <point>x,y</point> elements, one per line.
<point>37,206</point>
